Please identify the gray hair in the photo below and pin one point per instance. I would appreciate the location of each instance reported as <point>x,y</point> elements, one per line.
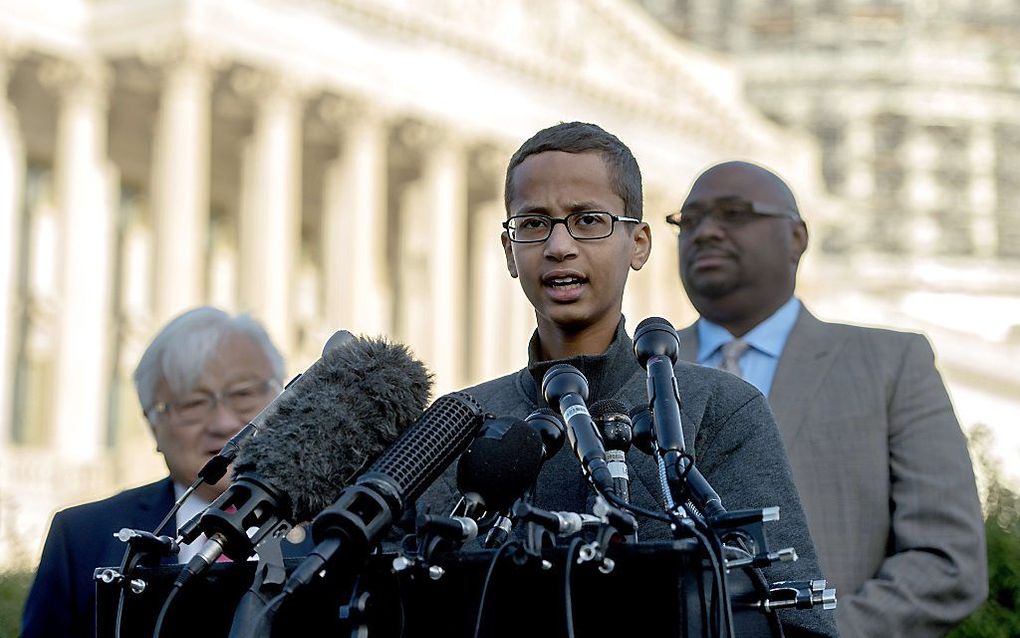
<point>179,353</point>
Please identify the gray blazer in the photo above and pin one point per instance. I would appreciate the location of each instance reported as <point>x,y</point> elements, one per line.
<point>883,474</point>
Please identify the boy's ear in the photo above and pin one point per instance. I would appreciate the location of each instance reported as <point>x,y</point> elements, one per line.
<point>511,265</point>
<point>642,246</point>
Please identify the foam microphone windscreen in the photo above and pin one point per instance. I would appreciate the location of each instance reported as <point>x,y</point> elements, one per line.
<point>501,463</point>
<point>600,409</point>
<point>351,406</point>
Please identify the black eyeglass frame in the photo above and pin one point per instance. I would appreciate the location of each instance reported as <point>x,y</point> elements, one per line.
<point>564,220</point>
<point>757,208</point>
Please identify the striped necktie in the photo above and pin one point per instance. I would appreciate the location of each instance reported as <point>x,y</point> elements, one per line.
<point>731,353</point>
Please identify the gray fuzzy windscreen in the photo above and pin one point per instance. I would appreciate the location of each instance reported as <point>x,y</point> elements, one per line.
<point>342,413</point>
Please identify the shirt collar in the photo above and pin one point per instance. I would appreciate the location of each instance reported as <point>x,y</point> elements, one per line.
<point>606,373</point>
<point>768,337</point>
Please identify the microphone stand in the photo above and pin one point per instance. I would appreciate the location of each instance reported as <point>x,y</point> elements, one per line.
<point>142,547</point>
<point>270,575</point>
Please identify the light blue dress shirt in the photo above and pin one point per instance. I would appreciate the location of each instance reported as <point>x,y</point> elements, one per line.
<point>766,341</point>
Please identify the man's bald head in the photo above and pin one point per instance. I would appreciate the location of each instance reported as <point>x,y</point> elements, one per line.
<point>744,180</point>
<point>741,240</point>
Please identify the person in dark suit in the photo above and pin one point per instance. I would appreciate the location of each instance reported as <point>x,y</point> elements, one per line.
<point>201,379</point>
<point>877,453</point>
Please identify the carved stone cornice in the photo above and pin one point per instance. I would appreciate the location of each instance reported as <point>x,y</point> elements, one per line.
<point>182,52</point>
<point>624,61</point>
<point>342,113</point>
<point>11,51</point>
<point>266,87</point>
<point>81,81</point>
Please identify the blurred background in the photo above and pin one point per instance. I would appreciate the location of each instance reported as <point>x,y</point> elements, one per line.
<point>329,164</point>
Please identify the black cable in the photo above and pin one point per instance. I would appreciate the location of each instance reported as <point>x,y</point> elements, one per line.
<point>568,569</point>
<point>177,505</point>
<point>120,613</point>
<point>615,499</point>
<point>723,616</point>
<point>485,585</point>
<point>127,554</point>
<point>163,610</point>
<point>123,586</point>
<point>727,609</point>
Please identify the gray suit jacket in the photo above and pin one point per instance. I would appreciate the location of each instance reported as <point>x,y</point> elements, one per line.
<point>883,474</point>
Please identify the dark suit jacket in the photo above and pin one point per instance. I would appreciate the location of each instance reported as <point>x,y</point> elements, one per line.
<point>883,473</point>
<point>61,603</point>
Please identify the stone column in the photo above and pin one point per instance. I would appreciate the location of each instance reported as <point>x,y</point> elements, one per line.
<point>490,303</point>
<point>860,154</point>
<point>271,214</point>
<point>923,193</point>
<point>180,184</point>
<point>982,196</point>
<point>357,293</point>
<point>82,193</point>
<point>445,195</point>
<point>12,175</point>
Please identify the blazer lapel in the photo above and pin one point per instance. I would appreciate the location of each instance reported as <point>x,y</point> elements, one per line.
<point>809,353</point>
<point>153,507</point>
<point>689,343</point>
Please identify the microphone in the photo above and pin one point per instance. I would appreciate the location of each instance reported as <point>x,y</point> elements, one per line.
<point>566,388</point>
<point>499,465</point>
<point>503,462</point>
<point>506,458</point>
<point>456,528</point>
<point>350,405</point>
<point>349,527</point>
<point>657,347</point>
<point>558,523</point>
<point>216,467</point>
<point>550,427</point>
<point>612,421</point>
<point>700,491</point>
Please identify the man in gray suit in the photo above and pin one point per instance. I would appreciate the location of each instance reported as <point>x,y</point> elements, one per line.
<point>876,451</point>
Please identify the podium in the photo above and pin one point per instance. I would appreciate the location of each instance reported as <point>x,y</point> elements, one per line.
<point>656,589</point>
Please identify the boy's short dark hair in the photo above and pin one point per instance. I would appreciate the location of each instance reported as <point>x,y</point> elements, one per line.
<point>580,137</point>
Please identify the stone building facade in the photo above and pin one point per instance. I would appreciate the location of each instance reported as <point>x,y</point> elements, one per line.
<point>320,164</point>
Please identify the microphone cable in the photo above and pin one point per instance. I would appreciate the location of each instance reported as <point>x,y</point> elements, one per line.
<point>488,580</point>
<point>573,552</point>
<point>710,542</point>
<point>121,596</point>
<point>158,628</point>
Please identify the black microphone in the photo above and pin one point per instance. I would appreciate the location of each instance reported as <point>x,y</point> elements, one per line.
<point>657,347</point>
<point>566,388</point>
<point>216,467</point>
<point>643,436</point>
<point>558,523</point>
<point>505,458</point>
<point>700,491</point>
<point>611,419</point>
<point>349,407</point>
<point>350,527</point>
<point>499,465</point>
<point>503,462</point>
<point>453,528</point>
<point>550,427</point>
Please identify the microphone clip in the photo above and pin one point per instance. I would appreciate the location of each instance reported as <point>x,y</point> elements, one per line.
<point>436,534</point>
<point>143,542</point>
